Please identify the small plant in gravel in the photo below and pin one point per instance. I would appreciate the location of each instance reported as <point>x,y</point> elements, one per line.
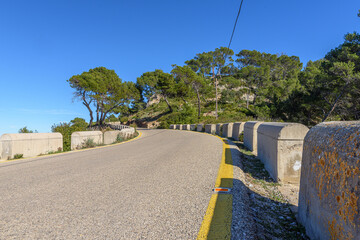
<point>89,143</point>
<point>18,156</point>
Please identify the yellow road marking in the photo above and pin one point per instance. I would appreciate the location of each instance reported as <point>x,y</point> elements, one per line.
<point>72,151</point>
<point>217,220</point>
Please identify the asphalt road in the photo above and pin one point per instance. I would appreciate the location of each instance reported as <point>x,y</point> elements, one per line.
<point>155,187</point>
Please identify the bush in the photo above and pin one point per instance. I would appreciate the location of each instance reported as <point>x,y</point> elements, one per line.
<point>89,143</point>
<point>119,138</point>
<point>241,137</point>
<point>18,156</point>
<point>66,129</point>
<point>124,119</point>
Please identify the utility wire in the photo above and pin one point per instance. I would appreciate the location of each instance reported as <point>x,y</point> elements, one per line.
<point>237,17</point>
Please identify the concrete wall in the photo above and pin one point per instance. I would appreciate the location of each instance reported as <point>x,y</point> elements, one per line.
<point>78,138</point>
<point>110,136</point>
<point>178,126</point>
<point>329,202</point>
<point>218,129</point>
<point>210,128</point>
<point>172,126</point>
<point>186,127</point>
<point>238,128</point>
<point>280,147</point>
<point>200,127</point>
<point>250,135</point>
<point>127,132</point>
<point>193,127</point>
<point>29,144</point>
<point>227,130</point>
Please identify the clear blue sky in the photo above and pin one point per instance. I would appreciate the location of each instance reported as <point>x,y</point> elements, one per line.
<point>44,43</point>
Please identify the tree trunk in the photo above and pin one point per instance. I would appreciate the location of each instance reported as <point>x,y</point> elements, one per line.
<point>216,93</point>
<point>199,102</point>
<point>87,105</point>
<point>97,114</point>
<point>167,102</point>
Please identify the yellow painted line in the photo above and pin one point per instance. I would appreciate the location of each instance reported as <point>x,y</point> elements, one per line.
<point>72,151</point>
<point>218,217</point>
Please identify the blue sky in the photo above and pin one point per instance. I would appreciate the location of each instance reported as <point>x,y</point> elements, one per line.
<point>44,43</point>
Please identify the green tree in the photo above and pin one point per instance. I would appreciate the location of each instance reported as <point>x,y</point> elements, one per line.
<point>26,130</point>
<point>104,89</point>
<point>158,83</point>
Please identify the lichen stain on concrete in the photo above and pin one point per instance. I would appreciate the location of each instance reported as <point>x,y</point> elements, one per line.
<point>338,179</point>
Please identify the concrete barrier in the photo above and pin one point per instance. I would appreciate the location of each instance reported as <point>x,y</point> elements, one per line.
<point>29,144</point>
<point>250,135</point>
<point>280,147</point>
<point>111,136</point>
<point>172,126</point>
<point>127,132</point>
<point>210,128</point>
<point>186,127</point>
<point>178,126</point>
<point>227,130</point>
<point>200,127</point>
<point>329,187</point>
<point>238,128</point>
<point>193,127</point>
<point>78,138</point>
<point>218,129</point>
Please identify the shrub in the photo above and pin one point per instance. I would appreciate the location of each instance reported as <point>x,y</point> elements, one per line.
<point>18,156</point>
<point>241,137</point>
<point>119,138</point>
<point>124,119</point>
<point>89,143</point>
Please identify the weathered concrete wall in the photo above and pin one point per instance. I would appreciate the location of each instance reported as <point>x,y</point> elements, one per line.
<point>280,147</point>
<point>110,136</point>
<point>127,132</point>
<point>193,127</point>
<point>172,126</point>
<point>29,144</point>
<point>186,127</point>
<point>78,138</point>
<point>238,128</point>
<point>218,129</point>
<point>329,187</point>
<point>178,126</point>
<point>200,127</point>
<point>210,128</point>
<point>227,130</point>
<point>250,135</point>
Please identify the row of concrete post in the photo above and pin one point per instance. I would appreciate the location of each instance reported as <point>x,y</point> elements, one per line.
<point>34,144</point>
<point>324,160</point>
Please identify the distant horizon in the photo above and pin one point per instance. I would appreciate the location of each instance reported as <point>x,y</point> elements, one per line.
<point>45,43</point>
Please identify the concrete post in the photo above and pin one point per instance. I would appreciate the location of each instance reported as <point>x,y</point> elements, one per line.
<point>178,126</point>
<point>238,128</point>
<point>186,127</point>
<point>218,129</point>
<point>227,130</point>
<point>172,126</point>
<point>193,127</point>
<point>210,128</point>
<point>280,147</point>
<point>250,135</point>
<point>78,138</point>
<point>110,136</point>
<point>200,127</point>
<point>330,178</point>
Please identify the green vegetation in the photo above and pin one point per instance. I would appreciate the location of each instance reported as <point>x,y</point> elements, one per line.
<point>66,129</point>
<point>89,143</point>
<point>18,156</point>
<point>26,130</point>
<point>224,86</point>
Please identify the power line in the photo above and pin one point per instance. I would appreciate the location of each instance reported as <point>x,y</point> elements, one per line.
<point>237,17</point>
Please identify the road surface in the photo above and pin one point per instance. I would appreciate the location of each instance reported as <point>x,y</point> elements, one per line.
<point>155,187</point>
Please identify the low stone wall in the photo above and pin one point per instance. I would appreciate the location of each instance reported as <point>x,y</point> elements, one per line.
<point>78,138</point>
<point>238,128</point>
<point>329,202</point>
<point>110,136</point>
<point>29,144</point>
<point>250,135</point>
<point>218,129</point>
<point>193,127</point>
<point>178,126</point>
<point>186,127</point>
<point>200,127</point>
<point>280,147</point>
<point>210,128</point>
<point>227,130</point>
<point>172,126</point>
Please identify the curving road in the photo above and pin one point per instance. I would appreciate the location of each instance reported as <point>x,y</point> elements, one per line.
<point>155,187</point>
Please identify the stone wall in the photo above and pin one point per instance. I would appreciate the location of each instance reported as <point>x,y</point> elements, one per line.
<point>29,144</point>
<point>238,128</point>
<point>78,138</point>
<point>110,136</point>
<point>250,135</point>
<point>279,147</point>
<point>330,181</point>
<point>210,128</point>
